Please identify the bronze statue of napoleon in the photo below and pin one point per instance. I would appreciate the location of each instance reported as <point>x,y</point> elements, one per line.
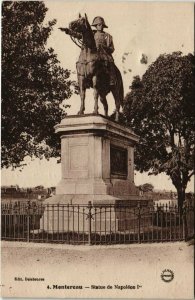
<point>95,66</point>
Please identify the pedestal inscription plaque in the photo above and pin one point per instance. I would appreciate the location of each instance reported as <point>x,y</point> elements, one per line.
<point>118,161</point>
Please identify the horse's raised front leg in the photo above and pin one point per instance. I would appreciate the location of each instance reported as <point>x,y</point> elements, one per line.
<point>105,104</point>
<point>96,95</point>
<point>82,95</point>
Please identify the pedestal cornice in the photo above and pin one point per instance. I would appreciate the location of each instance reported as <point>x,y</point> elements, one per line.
<point>94,123</point>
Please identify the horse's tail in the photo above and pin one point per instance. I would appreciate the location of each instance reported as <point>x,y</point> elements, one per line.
<point>119,86</point>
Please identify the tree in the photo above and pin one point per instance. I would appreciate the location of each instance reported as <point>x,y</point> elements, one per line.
<point>160,109</point>
<point>34,86</point>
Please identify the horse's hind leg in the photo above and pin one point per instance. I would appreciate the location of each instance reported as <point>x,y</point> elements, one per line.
<point>117,102</point>
<point>82,95</point>
<point>105,104</point>
<point>96,95</point>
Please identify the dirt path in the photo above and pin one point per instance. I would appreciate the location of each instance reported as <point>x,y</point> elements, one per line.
<point>131,271</point>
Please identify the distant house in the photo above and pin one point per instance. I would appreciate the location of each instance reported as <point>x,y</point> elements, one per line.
<point>10,194</point>
<point>9,189</point>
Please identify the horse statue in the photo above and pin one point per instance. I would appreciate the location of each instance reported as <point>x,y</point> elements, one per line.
<point>92,70</point>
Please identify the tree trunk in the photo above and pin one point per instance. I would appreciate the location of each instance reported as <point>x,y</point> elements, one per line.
<point>181,196</point>
<point>182,209</point>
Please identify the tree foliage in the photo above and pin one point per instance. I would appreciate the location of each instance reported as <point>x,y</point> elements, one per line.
<point>33,84</point>
<point>160,109</point>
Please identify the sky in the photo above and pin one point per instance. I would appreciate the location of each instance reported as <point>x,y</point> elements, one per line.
<point>150,28</point>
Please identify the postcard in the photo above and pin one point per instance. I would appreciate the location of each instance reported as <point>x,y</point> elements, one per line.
<point>96,95</point>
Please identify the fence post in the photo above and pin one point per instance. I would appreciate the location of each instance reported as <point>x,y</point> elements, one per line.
<point>139,219</point>
<point>28,221</point>
<point>89,222</point>
<point>28,228</point>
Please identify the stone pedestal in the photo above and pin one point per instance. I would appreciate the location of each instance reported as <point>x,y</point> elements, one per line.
<point>97,158</point>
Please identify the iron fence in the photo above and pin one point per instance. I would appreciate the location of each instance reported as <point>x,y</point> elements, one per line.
<point>95,224</point>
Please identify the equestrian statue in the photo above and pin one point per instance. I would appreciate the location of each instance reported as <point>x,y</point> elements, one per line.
<point>95,66</point>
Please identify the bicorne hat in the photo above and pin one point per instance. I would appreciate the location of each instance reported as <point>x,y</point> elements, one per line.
<point>99,20</point>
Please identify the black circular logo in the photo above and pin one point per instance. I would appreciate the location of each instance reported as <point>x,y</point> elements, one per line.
<point>167,275</point>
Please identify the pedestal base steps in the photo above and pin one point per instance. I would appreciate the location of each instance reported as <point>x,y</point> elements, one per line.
<point>69,214</point>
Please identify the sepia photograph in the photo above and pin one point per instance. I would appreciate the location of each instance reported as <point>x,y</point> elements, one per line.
<point>97,149</point>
